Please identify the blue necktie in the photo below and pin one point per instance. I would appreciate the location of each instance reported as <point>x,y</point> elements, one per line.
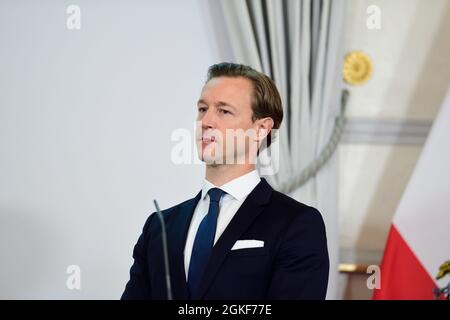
<point>204,241</point>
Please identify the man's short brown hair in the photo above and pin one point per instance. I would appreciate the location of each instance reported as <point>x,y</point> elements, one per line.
<point>266,100</point>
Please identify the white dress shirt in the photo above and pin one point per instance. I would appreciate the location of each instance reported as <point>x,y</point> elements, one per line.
<point>237,191</point>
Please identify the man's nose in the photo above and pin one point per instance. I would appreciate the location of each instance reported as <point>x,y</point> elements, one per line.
<point>208,120</point>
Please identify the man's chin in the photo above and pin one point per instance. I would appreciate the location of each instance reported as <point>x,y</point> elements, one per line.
<point>212,161</point>
<point>218,161</point>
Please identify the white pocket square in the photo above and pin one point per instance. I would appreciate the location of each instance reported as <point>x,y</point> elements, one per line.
<point>244,244</point>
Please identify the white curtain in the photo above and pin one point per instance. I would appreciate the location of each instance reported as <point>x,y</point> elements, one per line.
<point>297,43</point>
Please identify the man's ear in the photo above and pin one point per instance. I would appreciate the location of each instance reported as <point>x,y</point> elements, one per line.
<point>264,127</point>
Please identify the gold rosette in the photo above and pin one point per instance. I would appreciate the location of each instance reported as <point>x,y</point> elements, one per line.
<point>357,68</point>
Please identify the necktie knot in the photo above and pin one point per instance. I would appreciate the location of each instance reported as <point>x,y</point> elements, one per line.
<point>215,194</point>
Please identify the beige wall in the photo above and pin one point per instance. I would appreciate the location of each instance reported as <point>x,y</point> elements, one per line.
<point>410,55</point>
<point>411,59</point>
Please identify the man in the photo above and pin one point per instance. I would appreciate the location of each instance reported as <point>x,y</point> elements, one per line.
<point>238,238</point>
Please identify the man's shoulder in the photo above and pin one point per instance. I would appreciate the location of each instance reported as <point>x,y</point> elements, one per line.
<point>284,201</point>
<point>289,215</point>
<point>170,212</point>
<point>178,206</point>
<point>284,206</point>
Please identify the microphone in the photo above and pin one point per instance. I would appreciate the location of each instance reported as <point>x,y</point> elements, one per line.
<point>165,251</point>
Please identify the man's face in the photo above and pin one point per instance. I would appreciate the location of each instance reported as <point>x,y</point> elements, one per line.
<point>224,121</point>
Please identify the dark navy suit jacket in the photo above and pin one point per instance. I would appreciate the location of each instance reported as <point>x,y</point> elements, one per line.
<point>293,264</point>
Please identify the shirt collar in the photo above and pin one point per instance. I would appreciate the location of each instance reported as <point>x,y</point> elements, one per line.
<point>238,188</point>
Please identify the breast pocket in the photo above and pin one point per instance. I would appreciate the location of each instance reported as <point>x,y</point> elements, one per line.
<point>248,252</point>
<point>247,266</point>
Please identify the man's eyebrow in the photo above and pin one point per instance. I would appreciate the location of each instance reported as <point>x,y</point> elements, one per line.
<point>225,104</point>
<point>218,104</point>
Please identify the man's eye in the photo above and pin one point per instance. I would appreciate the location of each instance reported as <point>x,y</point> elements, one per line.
<point>202,109</point>
<point>225,111</point>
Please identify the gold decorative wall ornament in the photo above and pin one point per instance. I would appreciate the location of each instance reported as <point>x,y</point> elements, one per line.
<point>443,293</point>
<point>357,68</point>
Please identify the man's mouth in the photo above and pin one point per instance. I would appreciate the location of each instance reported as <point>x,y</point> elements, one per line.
<point>208,139</point>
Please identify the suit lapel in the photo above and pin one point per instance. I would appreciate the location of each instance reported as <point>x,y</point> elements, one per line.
<point>249,210</point>
<point>176,240</point>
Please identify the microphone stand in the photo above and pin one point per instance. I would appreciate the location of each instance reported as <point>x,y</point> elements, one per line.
<point>165,251</point>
